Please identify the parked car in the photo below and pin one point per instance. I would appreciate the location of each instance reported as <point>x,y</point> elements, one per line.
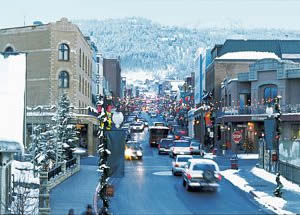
<point>180,147</point>
<point>179,163</point>
<point>201,173</point>
<point>133,150</point>
<point>137,126</point>
<point>165,145</point>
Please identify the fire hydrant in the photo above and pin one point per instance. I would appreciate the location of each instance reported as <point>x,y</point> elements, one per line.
<point>277,192</point>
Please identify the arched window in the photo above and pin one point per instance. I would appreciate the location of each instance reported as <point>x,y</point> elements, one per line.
<point>63,80</point>
<point>270,93</point>
<point>63,52</point>
<point>9,49</point>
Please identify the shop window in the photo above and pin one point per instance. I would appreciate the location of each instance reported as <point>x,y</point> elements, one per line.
<point>296,131</point>
<point>269,94</point>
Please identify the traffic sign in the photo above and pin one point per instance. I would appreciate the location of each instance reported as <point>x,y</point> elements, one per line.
<point>237,136</point>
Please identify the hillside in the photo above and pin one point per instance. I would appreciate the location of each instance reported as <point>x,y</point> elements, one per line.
<point>144,45</point>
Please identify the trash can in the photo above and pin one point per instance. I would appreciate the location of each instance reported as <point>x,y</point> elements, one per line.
<point>234,163</point>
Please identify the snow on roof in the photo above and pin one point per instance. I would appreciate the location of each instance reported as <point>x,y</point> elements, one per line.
<point>248,55</point>
<point>12,89</point>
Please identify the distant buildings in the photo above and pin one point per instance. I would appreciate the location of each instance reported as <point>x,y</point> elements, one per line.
<point>112,74</point>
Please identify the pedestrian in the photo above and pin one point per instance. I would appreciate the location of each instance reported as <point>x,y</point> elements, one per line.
<point>89,210</point>
<point>71,212</point>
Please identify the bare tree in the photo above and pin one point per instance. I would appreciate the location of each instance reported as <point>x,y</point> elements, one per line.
<point>25,194</point>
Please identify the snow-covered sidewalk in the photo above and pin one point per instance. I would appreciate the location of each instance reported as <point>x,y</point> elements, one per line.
<point>261,185</point>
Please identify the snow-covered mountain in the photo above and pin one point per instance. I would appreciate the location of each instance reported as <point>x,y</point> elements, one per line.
<point>144,45</point>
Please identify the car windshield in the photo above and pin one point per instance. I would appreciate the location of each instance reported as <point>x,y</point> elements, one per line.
<point>137,124</point>
<point>183,159</point>
<point>166,142</point>
<point>204,167</point>
<point>182,144</point>
<point>195,144</point>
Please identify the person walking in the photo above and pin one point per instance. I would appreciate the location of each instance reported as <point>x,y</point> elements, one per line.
<point>71,212</point>
<point>89,210</point>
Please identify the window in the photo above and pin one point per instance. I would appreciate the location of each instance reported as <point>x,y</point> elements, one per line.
<point>82,86</point>
<point>85,87</point>
<point>79,57</point>
<point>9,49</point>
<point>229,100</point>
<point>79,83</point>
<point>296,131</point>
<point>83,61</point>
<point>88,68</point>
<point>63,52</point>
<point>88,90</point>
<point>79,107</point>
<point>270,93</point>
<point>63,80</point>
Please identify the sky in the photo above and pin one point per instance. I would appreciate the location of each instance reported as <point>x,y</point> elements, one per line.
<point>191,13</point>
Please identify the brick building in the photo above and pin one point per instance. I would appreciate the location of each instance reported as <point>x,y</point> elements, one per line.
<point>59,60</point>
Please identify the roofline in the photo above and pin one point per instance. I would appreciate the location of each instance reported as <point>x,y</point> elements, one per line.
<point>27,26</point>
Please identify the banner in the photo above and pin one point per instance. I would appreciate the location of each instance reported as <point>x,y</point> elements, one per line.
<point>116,145</point>
<point>270,128</point>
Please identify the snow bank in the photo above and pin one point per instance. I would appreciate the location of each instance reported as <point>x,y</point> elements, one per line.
<point>287,185</point>
<point>248,55</point>
<point>273,203</point>
<point>248,156</point>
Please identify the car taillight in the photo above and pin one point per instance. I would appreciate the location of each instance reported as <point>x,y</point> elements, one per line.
<point>219,177</point>
<point>189,176</point>
<point>176,165</point>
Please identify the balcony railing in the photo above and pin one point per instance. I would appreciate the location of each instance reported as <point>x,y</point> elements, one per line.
<point>53,172</point>
<point>257,109</point>
<point>71,162</point>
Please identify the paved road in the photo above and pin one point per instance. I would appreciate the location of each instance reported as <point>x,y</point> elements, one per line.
<point>149,188</point>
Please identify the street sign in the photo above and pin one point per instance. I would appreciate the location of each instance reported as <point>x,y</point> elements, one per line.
<point>237,136</point>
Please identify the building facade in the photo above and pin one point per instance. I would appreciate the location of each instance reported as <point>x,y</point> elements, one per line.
<point>59,60</point>
<point>112,74</point>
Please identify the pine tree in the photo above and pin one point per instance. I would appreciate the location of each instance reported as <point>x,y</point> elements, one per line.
<point>65,133</point>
